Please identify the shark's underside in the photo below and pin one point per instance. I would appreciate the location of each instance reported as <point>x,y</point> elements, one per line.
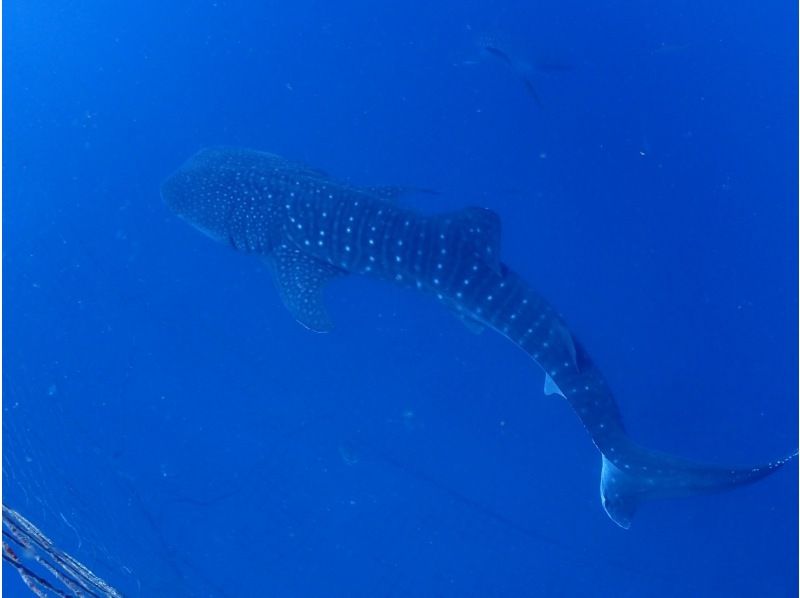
<point>310,228</point>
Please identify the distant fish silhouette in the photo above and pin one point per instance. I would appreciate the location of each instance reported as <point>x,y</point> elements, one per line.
<point>520,69</point>
<point>532,91</point>
<point>498,53</point>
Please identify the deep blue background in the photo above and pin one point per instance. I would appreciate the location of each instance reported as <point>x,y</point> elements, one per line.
<point>169,424</point>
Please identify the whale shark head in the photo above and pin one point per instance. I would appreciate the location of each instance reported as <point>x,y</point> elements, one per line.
<point>201,193</point>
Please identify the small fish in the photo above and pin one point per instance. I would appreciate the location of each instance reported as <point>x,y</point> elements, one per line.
<point>532,91</point>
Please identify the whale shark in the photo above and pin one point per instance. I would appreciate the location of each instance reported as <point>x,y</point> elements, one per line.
<point>311,228</point>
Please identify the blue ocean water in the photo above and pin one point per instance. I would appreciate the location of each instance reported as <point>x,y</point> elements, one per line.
<point>166,422</point>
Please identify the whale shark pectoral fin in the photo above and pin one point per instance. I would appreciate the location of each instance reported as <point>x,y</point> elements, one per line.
<point>300,279</point>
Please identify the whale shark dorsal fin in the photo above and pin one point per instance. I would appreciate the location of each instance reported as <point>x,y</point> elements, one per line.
<point>300,279</point>
<point>567,341</point>
<point>392,193</point>
<point>482,227</point>
<point>291,166</point>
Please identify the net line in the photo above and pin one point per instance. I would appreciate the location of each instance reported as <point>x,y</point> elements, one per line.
<point>24,542</point>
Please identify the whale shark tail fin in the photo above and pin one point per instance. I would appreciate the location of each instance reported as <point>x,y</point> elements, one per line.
<point>644,475</point>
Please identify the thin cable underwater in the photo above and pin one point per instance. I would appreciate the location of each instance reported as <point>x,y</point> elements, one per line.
<point>37,556</point>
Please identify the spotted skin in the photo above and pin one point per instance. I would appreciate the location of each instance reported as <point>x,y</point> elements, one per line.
<point>311,228</point>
